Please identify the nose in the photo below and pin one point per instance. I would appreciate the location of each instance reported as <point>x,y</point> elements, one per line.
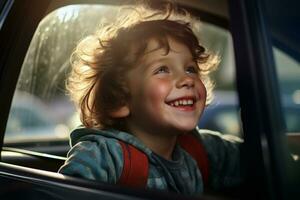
<point>185,81</point>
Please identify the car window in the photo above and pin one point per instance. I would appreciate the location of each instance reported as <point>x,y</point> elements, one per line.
<point>288,71</point>
<point>283,26</point>
<point>223,113</point>
<point>42,111</point>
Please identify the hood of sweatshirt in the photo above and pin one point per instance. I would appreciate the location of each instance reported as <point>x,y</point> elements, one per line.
<point>90,134</point>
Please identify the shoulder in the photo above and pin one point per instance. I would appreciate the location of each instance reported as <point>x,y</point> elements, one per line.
<point>92,135</point>
<point>96,146</point>
<point>95,157</point>
<point>208,136</point>
<point>224,157</point>
<point>217,144</point>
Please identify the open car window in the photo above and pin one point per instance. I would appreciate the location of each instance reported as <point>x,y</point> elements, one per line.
<point>288,71</point>
<point>41,110</point>
<point>42,116</point>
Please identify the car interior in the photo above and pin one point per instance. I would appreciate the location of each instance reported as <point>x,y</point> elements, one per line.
<point>31,157</point>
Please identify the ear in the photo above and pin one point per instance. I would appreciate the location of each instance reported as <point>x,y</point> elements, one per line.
<point>120,112</point>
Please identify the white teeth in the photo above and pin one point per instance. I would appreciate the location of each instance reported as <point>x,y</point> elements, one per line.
<point>189,102</point>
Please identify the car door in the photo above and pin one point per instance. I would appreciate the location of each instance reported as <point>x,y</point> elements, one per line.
<point>266,148</point>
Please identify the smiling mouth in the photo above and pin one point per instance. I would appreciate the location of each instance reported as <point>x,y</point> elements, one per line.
<point>184,102</point>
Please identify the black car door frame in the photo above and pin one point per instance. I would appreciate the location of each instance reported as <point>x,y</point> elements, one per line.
<point>263,123</point>
<point>14,42</point>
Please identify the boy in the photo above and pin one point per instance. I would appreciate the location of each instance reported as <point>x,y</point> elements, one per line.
<point>144,81</point>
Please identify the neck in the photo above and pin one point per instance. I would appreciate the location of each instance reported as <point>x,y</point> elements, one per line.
<point>161,144</point>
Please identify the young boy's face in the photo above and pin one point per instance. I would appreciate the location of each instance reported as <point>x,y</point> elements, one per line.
<point>166,91</point>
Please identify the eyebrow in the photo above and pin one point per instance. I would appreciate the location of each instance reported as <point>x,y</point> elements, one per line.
<point>150,63</point>
<point>161,59</point>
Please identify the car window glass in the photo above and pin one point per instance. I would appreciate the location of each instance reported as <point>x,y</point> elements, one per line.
<point>283,24</point>
<point>223,113</point>
<point>288,71</point>
<point>41,109</point>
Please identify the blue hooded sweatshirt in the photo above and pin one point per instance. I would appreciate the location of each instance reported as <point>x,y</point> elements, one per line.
<point>97,155</point>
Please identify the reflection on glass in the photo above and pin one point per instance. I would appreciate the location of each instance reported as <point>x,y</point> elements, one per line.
<point>288,71</point>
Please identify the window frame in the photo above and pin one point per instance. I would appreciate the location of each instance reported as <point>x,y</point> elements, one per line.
<point>261,110</point>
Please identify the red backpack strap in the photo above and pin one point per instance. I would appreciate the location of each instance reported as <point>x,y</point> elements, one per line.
<point>195,148</point>
<point>135,168</point>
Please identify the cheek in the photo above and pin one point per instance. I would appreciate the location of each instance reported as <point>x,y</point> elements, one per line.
<point>158,90</point>
<point>201,90</point>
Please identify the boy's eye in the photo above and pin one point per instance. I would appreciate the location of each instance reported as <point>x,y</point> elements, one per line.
<point>162,69</point>
<point>192,70</point>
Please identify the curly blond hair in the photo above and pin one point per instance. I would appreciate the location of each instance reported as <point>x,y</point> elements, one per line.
<point>97,83</point>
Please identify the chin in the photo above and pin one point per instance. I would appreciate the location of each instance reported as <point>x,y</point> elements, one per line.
<point>185,129</point>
